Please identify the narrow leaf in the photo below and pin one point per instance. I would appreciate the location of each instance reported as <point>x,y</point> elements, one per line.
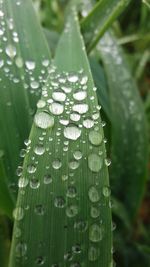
<point>99,20</point>
<point>129,131</point>
<point>24,54</point>
<point>65,204</point>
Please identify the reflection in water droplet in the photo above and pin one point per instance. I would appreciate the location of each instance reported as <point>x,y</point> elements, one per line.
<point>39,150</point>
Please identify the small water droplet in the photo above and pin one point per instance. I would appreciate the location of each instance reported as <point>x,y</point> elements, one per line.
<point>39,150</point>
<point>39,209</point>
<point>71,191</point>
<point>21,249</point>
<point>18,213</point>
<point>47,179</point>
<point>95,212</point>
<point>93,254</point>
<point>59,202</point>
<point>30,65</point>
<point>71,211</point>
<point>56,164</point>
<point>34,183</point>
<point>23,182</point>
<point>11,51</point>
<point>95,233</point>
<point>106,191</point>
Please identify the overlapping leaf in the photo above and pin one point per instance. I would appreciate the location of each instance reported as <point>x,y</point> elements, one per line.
<point>129,131</point>
<point>24,57</point>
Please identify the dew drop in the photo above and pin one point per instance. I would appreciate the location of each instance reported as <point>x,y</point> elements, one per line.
<point>56,108</point>
<point>80,95</point>
<point>56,164</point>
<point>21,249</point>
<point>47,179</point>
<point>95,233</point>
<point>77,155</point>
<point>30,65</point>
<point>80,108</point>
<point>93,194</point>
<point>34,183</point>
<point>59,96</point>
<point>11,51</point>
<point>40,261</point>
<point>23,182</point>
<point>81,226</point>
<point>71,191</point>
<point>41,104</point>
<point>95,212</point>
<point>88,123</point>
<point>93,254</point>
<point>94,162</point>
<point>72,211</point>
<point>43,120</point>
<point>73,165</point>
<point>106,191</point>
<point>72,132</point>
<point>95,138</point>
<point>18,213</point>
<point>73,78</point>
<point>59,202</point>
<point>39,150</point>
<point>39,209</point>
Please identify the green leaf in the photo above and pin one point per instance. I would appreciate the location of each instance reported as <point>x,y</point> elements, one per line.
<point>23,52</point>
<point>129,131</point>
<point>52,38</point>
<point>4,241</point>
<point>100,19</point>
<point>6,202</point>
<point>102,88</point>
<point>66,177</point>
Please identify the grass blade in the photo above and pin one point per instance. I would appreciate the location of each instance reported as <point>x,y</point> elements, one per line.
<point>69,181</point>
<point>6,202</point>
<point>21,63</point>
<point>99,20</point>
<point>129,131</point>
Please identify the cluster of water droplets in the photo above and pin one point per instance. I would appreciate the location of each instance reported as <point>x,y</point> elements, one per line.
<point>65,113</point>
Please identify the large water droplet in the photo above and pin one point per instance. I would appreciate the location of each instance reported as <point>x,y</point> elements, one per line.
<point>80,108</point>
<point>72,132</point>
<point>43,120</point>
<point>39,150</point>
<point>59,96</point>
<point>88,123</point>
<point>11,51</point>
<point>95,138</point>
<point>80,95</point>
<point>94,162</point>
<point>30,65</point>
<point>56,108</point>
<point>93,194</point>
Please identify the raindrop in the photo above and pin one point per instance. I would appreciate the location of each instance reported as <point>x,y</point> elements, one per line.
<point>107,162</point>
<point>34,183</point>
<point>30,65</point>
<point>71,191</point>
<point>34,84</point>
<point>80,95</point>
<point>23,182</point>
<point>43,120</point>
<point>39,150</point>
<point>80,108</point>
<point>31,169</point>
<point>93,254</point>
<point>95,233</point>
<point>72,132</point>
<point>72,211</point>
<point>81,225</point>
<point>56,164</point>
<point>73,78</point>
<point>59,202</point>
<point>39,209</point>
<point>47,179</point>
<point>11,51</point>
<point>18,213</point>
<point>93,194</point>
<point>106,191</point>
<point>95,212</point>
<point>40,260</point>
<point>94,162</point>
<point>77,155</point>
<point>76,249</point>
<point>73,165</point>
<point>88,123</point>
<point>21,249</point>
<point>56,108</point>
<point>95,138</point>
<point>59,96</point>
<point>75,116</point>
